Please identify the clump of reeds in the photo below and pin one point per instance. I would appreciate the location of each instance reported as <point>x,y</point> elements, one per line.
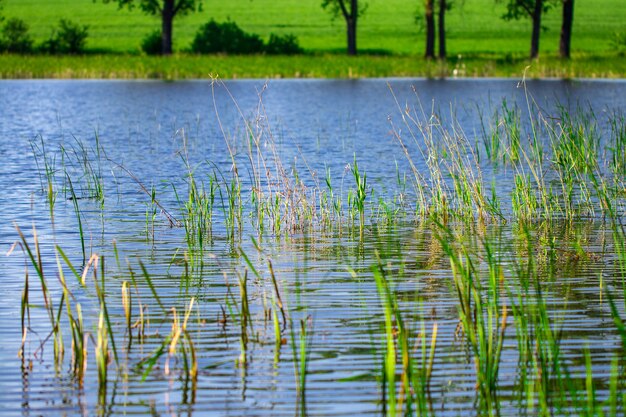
<point>414,355</point>
<point>557,176</point>
<point>46,168</point>
<point>482,311</point>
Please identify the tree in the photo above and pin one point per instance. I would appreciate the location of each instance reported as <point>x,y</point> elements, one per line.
<point>432,8</point>
<point>566,28</point>
<point>533,9</point>
<point>351,12</point>
<point>429,15</point>
<point>167,9</point>
<point>443,6</point>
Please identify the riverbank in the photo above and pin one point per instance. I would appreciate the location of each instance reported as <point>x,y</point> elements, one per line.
<point>187,66</point>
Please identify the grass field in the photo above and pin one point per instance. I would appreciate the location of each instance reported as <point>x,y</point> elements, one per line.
<point>390,42</point>
<point>474,27</point>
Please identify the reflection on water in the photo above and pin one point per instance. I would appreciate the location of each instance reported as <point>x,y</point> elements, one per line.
<point>229,359</point>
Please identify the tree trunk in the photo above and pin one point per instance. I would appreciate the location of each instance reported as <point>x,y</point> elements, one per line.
<point>351,21</point>
<point>351,26</point>
<point>350,15</point>
<point>430,29</point>
<point>536,17</point>
<point>566,28</point>
<point>442,29</point>
<point>167,17</point>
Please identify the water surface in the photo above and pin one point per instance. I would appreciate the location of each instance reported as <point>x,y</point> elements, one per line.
<point>325,277</point>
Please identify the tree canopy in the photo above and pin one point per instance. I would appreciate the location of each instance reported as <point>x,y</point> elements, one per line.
<point>533,9</point>
<point>517,9</point>
<point>167,9</point>
<point>155,7</point>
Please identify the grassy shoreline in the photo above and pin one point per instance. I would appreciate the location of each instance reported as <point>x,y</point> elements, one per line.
<point>187,66</point>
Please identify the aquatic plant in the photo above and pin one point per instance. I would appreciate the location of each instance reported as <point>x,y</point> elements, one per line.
<point>46,170</point>
<point>416,364</point>
<point>482,313</point>
<point>359,195</point>
<point>300,348</point>
<point>498,223</point>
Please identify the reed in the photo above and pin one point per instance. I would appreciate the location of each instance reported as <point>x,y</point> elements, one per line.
<point>46,169</point>
<point>359,195</point>
<point>330,205</point>
<point>151,213</point>
<point>453,186</point>
<point>96,263</point>
<point>482,314</point>
<point>300,348</point>
<point>617,145</point>
<point>179,330</point>
<point>390,356</point>
<point>245,319</point>
<point>85,163</point>
<point>178,340</point>
<point>278,300</point>
<point>416,370</point>
<point>79,336</point>
<point>102,357</point>
<point>500,251</point>
<point>37,263</point>
<point>142,321</point>
<point>79,221</point>
<point>127,305</point>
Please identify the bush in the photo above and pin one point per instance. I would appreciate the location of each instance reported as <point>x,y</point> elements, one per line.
<point>225,37</point>
<point>15,37</point>
<point>152,44</point>
<point>69,38</point>
<point>619,43</point>
<point>283,45</point>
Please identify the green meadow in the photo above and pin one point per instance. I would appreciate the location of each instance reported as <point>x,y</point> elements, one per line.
<point>479,41</point>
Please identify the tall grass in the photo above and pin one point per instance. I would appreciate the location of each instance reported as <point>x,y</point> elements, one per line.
<point>402,349</point>
<point>46,169</point>
<point>559,168</point>
<point>482,310</point>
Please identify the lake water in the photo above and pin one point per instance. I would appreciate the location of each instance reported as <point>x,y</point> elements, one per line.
<point>147,130</point>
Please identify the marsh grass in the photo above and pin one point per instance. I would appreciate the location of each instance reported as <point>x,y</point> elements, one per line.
<point>357,199</point>
<point>553,164</point>
<point>46,169</point>
<point>561,171</point>
<point>84,164</point>
<point>482,309</point>
<point>404,350</point>
<point>301,348</point>
<point>81,233</point>
<point>36,262</point>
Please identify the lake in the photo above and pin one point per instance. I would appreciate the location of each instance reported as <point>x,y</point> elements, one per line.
<point>312,247</point>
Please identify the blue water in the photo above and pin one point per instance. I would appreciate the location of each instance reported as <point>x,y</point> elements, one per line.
<point>314,126</point>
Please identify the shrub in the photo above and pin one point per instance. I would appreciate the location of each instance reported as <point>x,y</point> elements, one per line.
<point>69,38</point>
<point>619,42</point>
<point>283,45</point>
<point>152,43</point>
<point>225,37</point>
<point>15,37</point>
